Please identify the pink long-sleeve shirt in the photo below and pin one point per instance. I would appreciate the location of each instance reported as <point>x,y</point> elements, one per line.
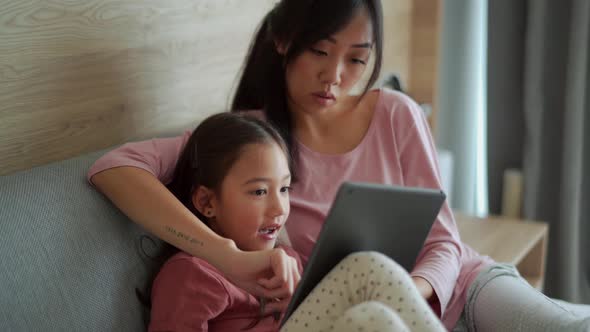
<point>397,149</point>
<point>190,294</point>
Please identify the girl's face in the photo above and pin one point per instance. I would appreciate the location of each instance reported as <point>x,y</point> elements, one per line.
<point>319,77</point>
<point>253,202</point>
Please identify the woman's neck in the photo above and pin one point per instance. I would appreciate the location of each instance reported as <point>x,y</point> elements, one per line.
<point>338,129</point>
<point>320,122</point>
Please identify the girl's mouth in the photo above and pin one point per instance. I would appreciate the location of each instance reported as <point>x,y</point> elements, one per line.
<point>269,233</point>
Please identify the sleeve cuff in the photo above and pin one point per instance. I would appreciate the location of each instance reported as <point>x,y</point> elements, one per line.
<point>439,299</point>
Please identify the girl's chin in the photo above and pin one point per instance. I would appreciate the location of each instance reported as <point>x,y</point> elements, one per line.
<point>265,245</point>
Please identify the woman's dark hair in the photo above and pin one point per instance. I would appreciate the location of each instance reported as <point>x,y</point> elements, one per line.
<point>298,24</point>
<point>213,148</point>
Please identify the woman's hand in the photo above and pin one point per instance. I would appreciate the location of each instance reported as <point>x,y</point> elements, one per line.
<point>270,274</point>
<point>424,287</point>
<point>427,292</point>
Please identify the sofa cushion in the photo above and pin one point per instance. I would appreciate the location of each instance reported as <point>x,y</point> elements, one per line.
<point>70,260</point>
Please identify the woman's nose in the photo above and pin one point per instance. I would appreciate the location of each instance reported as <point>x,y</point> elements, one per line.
<point>331,73</point>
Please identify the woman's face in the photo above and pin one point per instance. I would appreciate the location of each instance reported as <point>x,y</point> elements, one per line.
<point>253,201</point>
<point>319,77</point>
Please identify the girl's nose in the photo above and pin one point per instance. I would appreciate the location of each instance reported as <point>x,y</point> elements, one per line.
<point>279,205</point>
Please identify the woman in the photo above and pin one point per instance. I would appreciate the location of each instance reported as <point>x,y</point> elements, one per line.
<point>302,65</point>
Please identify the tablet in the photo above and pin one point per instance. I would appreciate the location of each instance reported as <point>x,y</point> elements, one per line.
<point>392,220</point>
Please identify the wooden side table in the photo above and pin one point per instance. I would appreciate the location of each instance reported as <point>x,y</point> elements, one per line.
<point>519,242</point>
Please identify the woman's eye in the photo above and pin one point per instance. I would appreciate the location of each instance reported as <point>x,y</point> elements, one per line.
<point>359,62</point>
<point>285,189</point>
<point>318,52</point>
<point>259,192</point>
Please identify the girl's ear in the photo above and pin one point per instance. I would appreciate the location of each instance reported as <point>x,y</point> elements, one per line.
<point>205,202</point>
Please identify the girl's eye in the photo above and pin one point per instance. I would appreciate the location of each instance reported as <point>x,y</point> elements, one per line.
<point>317,52</point>
<point>285,189</point>
<point>259,192</point>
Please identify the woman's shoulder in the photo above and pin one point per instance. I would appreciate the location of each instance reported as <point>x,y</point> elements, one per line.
<point>391,100</point>
<point>399,107</point>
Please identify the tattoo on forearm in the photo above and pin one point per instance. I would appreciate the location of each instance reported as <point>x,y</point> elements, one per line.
<point>183,236</point>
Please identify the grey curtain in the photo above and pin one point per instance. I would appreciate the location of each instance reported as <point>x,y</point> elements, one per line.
<point>539,120</point>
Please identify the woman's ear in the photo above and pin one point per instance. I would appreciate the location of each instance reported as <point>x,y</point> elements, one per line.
<point>281,47</point>
<point>204,201</point>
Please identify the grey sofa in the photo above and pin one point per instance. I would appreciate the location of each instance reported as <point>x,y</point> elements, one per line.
<point>70,261</point>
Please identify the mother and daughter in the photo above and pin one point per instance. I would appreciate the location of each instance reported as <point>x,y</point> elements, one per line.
<point>241,177</point>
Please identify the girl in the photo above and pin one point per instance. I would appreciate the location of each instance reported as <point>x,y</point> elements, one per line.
<point>234,175</point>
<point>303,63</point>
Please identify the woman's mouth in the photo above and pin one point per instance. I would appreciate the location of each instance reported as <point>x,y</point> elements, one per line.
<point>324,98</point>
<point>325,94</point>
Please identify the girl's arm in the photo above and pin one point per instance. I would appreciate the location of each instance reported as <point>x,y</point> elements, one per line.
<point>131,177</point>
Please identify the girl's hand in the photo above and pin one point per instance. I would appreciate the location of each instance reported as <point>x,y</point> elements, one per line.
<point>282,282</point>
<point>270,274</point>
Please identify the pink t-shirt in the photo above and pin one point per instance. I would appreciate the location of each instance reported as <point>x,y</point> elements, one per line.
<point>189,294</point>
<point>397,149</point>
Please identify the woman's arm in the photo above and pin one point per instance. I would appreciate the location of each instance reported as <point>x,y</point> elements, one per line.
<point>439,261</point>
<point>146,201</point>
<point>131,177</point>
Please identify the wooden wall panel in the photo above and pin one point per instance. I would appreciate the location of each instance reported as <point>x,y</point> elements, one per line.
<point>411,47</point>
<point>397,16</point>
<point>424,52</point>
<point>78,76</point>
<point>82,75</point>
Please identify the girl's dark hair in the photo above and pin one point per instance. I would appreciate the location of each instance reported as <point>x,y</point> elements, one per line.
<point>211,151</point>
<point>298,24</point>
<point>215,145</point>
